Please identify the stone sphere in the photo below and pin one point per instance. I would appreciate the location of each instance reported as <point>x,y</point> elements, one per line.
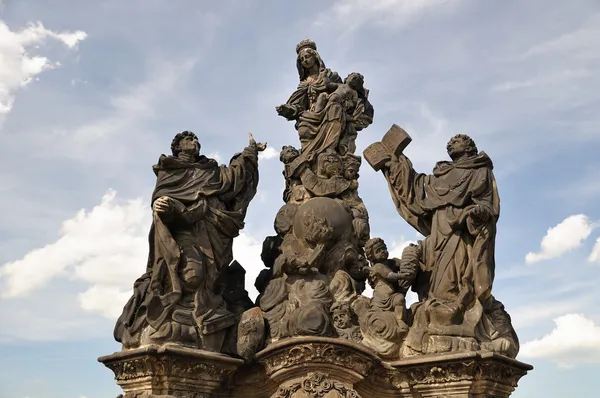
<point>321,220</point>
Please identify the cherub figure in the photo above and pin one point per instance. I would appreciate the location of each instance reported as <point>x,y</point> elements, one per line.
<point>352,98</point>
<point>328,180</point>
<point>345,93</point>
<point>293,166</point>
<point>353,202</point>
<point>390,282</point>
<point>345,322</point>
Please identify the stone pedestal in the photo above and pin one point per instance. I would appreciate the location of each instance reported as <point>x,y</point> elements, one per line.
<point>478,374</point>
<point>304,367</point>
<point>312,367</point>
<point>172,371</point>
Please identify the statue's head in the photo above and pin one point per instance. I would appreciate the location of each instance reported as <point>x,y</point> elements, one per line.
<point>351,166</point>
<point>308,57</point>
<point>342,315</point>
<point>185,142</point>
<point>288,154</point>
<point>461,145</point>
<point>329,164</point>
<point>355,80</point>
<point>376,250</point>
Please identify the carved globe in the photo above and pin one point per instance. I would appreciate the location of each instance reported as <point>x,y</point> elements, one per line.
<point>322,220</point>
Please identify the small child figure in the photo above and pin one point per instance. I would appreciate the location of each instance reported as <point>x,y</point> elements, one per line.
<point>294,192</point>
<point>390,283</point>
<point>345,93</point>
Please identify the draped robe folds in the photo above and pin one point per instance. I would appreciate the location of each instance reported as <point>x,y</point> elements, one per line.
<point>332,127</point>
<point>210,207</point>
<point>458,250</point>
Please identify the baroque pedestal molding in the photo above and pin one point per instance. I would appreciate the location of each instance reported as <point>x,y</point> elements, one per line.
<point>310,367</point>
<point>172,371</point>
<point>317,366</point>
<point>477,374</point>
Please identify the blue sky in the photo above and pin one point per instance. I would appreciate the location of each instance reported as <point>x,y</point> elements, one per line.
<point>92,92</point>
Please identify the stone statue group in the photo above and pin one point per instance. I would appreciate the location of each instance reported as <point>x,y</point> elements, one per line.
<point>321,256</point>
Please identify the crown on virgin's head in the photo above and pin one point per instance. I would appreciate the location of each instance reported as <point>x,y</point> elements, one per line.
<point>307,43</point>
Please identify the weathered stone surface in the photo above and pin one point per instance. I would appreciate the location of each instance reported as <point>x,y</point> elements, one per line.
<point>192,294</point>
<point>315,264</point>
<point>316,366</point>
<point>172,371</point>
<point>312,367</point>
<point>316,384</point>
<point>311,333</point>
<point>476,374</point>
<point>456,208</point>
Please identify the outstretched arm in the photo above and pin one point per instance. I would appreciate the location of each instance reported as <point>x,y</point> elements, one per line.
<point>407,188</point>
<point>261,146</point>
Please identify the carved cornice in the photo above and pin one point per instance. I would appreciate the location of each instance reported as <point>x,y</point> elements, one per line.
<point>431,370</point>
<point>297,351</point>
<point>154,363</point>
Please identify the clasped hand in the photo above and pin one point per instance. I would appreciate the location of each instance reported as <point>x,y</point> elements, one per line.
<point>162,205</point>
<point>479,213</point>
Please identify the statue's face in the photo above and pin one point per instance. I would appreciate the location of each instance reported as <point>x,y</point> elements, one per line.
<point>307,58</point>
<point>332,165</point>
<point>457,147</point>
<point>354,81</point>
<point>189,145</point>
<point>351,171</point>
<point>380,252</point>
<point>341,320</point>
<point>289,154</point>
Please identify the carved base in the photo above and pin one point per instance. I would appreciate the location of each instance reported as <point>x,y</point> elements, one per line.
<point>172,371</point>
<point>478,374</point>
<point>316,367</point>
<point>310,367</point>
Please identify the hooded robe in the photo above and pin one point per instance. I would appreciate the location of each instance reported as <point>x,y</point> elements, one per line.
<point>210,203</point>
<point>458,251</point>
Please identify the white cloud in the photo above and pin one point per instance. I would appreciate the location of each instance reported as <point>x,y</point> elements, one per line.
<point>352,14</point>
<point>548,79</point>
<point>269,153</point>
<point>17,66</point>
<point>131,119</point>
<point>214,155</point>
<point>397,247</point>
<point>530,314</point>
<point>246,250</point>
<point>575,340</point>
<point>106,247</point>
<point>582,42</point>
<point>106,300</point>
<point>565,236</point>
<point>594,256</point>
